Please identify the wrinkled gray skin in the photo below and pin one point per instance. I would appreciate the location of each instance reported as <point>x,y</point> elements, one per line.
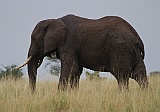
<point>108,44</point>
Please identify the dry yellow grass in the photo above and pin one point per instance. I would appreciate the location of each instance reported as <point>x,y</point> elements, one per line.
<point>92,96</point>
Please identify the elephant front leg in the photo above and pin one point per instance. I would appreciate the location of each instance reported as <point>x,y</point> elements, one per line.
<point>70,71</point>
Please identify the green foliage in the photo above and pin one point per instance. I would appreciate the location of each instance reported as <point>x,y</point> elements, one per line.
<point>10,72</point>
<point>53,65</point>
<point>92,76</point>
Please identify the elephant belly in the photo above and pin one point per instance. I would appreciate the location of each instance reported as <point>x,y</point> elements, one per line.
<point>93,55</point>
<point>94,62</point>
<point>99,68</point>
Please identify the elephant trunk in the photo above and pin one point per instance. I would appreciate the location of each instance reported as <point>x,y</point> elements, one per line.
<point>32,70</point>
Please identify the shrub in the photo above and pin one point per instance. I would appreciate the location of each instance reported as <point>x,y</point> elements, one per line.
<point>10,72</point>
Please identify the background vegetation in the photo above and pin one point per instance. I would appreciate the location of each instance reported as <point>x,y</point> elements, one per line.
<point>53,65</point>
<point>10,72</point>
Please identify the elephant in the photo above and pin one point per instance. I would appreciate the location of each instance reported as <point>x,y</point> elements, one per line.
<point>109,44</point>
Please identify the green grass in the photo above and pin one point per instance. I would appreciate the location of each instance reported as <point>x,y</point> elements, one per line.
<point>92,96</point>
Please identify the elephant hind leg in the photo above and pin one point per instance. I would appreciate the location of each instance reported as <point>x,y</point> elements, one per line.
<point>139,74</point>
<point>120,67</point>
<point>122,79</point>
<point>123,84</point>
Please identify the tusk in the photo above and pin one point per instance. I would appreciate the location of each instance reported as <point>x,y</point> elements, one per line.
<point>24,63</point>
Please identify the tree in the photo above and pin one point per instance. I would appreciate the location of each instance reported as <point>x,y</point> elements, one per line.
<point>54,65</point>
<point>10,72</point>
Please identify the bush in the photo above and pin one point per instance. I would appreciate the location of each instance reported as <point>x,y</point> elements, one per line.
<point>10,72</point>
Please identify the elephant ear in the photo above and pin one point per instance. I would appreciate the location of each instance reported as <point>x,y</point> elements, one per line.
<point>54,37</point>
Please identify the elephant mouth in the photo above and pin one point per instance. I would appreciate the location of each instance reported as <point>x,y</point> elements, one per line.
<point>26,62</point>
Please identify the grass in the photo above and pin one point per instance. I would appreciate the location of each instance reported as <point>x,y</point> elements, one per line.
<point>92,96</point>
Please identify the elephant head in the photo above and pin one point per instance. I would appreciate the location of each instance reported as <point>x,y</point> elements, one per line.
<point>47,37</point>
